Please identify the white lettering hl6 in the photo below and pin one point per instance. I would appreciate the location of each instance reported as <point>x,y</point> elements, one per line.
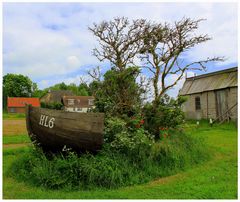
<point>45,122</point>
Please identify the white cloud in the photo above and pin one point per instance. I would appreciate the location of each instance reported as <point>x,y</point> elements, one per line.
<point>68,80</point>
<point>173,92</point>
<point>44,40</point>
<point>73,61</point>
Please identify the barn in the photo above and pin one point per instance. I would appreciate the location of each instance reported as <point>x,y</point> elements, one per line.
<point>212,95</point>
<point>17,104</point>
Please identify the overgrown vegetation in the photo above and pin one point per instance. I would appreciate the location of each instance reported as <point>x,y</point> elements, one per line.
<point>167,114</point>
<point>118,164</point>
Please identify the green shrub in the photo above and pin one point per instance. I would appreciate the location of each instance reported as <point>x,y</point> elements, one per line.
<point>113,126</point>
<point>133,143</point>
<point>53,105</point>
<point>127,137</point>
<point>164,115</point>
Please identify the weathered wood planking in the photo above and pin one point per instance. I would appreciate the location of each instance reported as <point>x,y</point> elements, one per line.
<point>54,129</point>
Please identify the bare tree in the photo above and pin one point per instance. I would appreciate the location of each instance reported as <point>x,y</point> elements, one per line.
<point>82,80</point>
<point>95,73</point>
<point>163,46</point>
<point>119,40</point>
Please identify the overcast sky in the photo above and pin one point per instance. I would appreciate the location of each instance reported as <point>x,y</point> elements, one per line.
<point>50,42</point>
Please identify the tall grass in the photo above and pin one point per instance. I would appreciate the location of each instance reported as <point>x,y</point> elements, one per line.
<point>109,168</point>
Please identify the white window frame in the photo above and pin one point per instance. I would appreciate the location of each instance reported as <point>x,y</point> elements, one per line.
<point>70,101</point>
<point>90,101</point>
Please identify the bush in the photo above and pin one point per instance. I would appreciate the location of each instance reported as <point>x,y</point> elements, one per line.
<point>127,137</point>
<point>164,115</point>
<point>54,105</point>
<point>132,144</point>
<point>113,126</point>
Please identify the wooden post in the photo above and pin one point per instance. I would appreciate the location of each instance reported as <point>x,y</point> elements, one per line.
<point>27,111</point>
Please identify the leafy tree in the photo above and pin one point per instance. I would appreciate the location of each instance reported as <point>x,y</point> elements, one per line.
<point>94,86</point>
<point>119,93</point>
<point>58,86</point>
<point>83,89</point>
<point>39,93</point>
<point>17,85</point>
<point>63,86</point>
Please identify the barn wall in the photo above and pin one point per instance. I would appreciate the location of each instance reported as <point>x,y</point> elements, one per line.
<point>208,105</point>
<point>211,106</point>
<point>189,107</point>
<point>232,100</point>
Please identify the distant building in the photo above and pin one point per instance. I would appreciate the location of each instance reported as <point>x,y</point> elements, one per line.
<point>55,96</point>
<point>17,104</point>
<point>212,95</point>
<point>78,103</point>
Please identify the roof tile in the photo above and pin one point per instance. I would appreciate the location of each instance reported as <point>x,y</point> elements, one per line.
<point>21,101</point>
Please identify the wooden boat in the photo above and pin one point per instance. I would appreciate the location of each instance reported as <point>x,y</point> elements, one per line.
<point>56,130</point>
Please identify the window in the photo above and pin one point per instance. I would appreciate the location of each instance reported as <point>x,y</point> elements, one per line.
<point>12,110</point>
<point>197,103</point>
<point>79,109</point>
<point>71,101</point>
<point>91,102</point>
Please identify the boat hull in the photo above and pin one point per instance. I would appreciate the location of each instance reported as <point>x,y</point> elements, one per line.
<point>55,130</point>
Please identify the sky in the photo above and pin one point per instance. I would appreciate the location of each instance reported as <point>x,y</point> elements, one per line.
<point>51,43</point>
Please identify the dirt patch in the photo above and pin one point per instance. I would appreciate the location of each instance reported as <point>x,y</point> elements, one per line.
<point>14,127</point>
<point>15,145</point>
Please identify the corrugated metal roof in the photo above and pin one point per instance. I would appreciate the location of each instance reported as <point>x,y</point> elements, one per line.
<point>21,101</point>
<point>212,81</point>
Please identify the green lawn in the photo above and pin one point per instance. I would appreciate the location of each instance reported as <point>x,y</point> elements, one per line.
<point>215,179</point>
<point>16,139</point>
<point>13,116</point>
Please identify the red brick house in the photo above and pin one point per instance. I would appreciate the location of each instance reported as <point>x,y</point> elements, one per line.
<point>17,104</point>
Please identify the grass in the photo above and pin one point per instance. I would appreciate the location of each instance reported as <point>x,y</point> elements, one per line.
<point>215,179</point>
<point>13,116</point>
<point>16,139</point>
<point>110,168</point>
